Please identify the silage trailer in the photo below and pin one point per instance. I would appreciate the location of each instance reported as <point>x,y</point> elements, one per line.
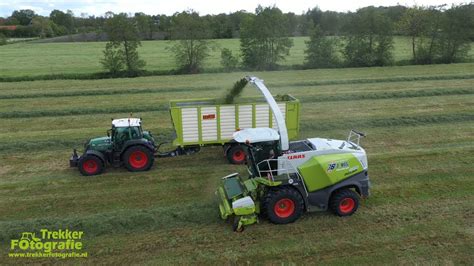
<point>202,122</point>
<point>197,123</point>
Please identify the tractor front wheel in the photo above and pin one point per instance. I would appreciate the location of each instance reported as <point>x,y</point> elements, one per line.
<point>236,155</point>
<point>90,165</point>
<point>138,158</point>
<point>344,202</point>
<point>283,205</point>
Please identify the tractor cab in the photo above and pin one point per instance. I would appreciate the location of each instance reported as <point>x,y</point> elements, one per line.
<point>126,129</point>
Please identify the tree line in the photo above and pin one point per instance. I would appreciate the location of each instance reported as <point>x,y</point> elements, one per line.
<point>438,34</point>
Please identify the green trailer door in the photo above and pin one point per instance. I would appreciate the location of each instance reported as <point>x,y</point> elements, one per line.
<point>205,122</point>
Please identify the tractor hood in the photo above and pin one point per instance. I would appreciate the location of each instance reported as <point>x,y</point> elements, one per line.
<point>101,143</point>
<point>254,135</point>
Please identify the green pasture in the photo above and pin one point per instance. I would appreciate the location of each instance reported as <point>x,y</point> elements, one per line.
<point>31,59</point>
<point>419,122</point>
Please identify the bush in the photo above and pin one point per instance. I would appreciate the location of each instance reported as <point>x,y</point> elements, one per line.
<point>3,39</point>
<point>228,60</point>
<point>113,59</point>
<point>192,46</point>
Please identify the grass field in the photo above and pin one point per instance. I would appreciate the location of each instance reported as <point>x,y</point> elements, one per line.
<point>419,121</point>
<point>30,59</point>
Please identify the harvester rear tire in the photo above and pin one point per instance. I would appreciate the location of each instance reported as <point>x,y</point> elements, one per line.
<point>236,155</point>
<point>138,158</point>
<point>344,202</point>
<point>90,165</point>
<point>283,205</point>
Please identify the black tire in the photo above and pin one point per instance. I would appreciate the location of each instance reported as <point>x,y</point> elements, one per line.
<point>90,165</point>
<point>236,155</point>
<point>344,202</point>
<point>282,205</point>
<point>235,225</point>
<point>138,158</point>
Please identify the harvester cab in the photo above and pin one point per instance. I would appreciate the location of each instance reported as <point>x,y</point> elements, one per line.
<point>287,179</point>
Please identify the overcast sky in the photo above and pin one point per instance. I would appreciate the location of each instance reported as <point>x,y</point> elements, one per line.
<point>99,7</point>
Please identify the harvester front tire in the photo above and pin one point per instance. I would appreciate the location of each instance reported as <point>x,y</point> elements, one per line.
<point>283,205</point>
<point>90,165</point>
<point>235,225</point>
<point>344,202</point>
<point>236,155</point>
<point>138,158</point>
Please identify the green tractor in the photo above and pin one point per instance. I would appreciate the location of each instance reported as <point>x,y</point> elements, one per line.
<point>287,179</point>
<point>126,144</point>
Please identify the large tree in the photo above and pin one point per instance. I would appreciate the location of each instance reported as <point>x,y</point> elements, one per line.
<point>457,30</point>
<point>264,40</point>
<point>23,17</point>
<point>121,50</point>
<point>321,50</point>
<point>145,25</point>
<point>64,21</point>
<point>414,23</point>
<point>370,39</point>
<point>42,26</point>
<point>191,46</point>
<point>422,24</point>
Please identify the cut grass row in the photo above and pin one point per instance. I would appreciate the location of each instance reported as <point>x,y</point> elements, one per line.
<point>435,109</point>
<point>158,101</point>
<point>224,80</point>
<point>69,93</point>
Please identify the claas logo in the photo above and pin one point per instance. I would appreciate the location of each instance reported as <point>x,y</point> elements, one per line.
<point>209,117</point>
<point>297,156</point>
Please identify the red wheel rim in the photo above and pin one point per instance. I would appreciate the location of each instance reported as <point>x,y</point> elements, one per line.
<point>138,159</point>
<point>346,205</point>
<point>238,156</point>
<point>284,208</point>
<point>90,166</point>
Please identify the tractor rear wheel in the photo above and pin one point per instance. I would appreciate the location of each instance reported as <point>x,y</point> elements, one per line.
<point>138,158</point>
<point>344,202</point>
<point>90,165</point>
<point>236,155</point>
<point>283,205</point>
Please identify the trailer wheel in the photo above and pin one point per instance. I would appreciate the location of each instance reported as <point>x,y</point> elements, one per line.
<point>90,165</point>
<point>236,155</point>
<point>283,205</point>
<point>138,158</point>
<point>344,202</point>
